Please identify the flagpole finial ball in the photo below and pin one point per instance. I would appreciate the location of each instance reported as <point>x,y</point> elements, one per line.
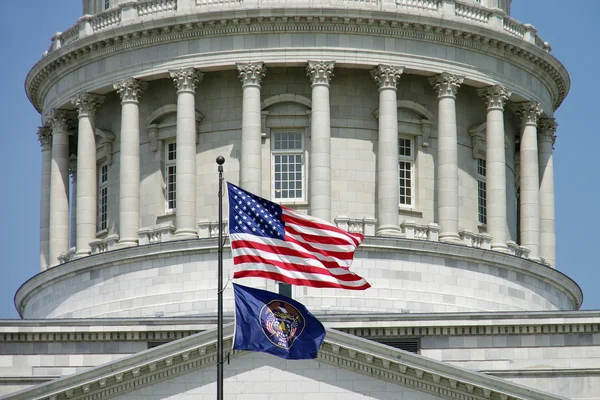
<point>220,160</point>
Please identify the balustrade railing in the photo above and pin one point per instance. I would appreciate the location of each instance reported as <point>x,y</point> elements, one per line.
<point>472,13</point>
<point>479,240</point>
<point>365,226</point>
<point>210,229</point>
<point>157,234</point>
<point>70,35</point>
<point>106,19</point>
<point>429,5</point>
<point>155,7</point>
<point>412,230</point>
<point>106,244</point>
<point>514,28</point>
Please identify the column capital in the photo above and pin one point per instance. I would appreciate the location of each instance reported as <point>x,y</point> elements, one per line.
<point>547,130</point>
<point>186,79</point>
<point>251,74</point>
<point>60,120</point>
<point>495,96</point>
<point>387,76</point>
<point>529,112</point>
<point>130,89</point>
<point>44,135</point>
<point>446,84</point>
<point>320,72</point>
<point>87,104</point>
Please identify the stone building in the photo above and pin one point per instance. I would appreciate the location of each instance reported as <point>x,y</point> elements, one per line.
<point>427,125</point>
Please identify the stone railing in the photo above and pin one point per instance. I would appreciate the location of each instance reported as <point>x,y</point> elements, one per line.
<point>157,234</point>
<point>155,7</point>
<point>516,250</point>
<point>412,230</point>
<point>448,10</point>
<point>210,229</point>
<point>479,240</point>
<point>103,245</point>
<point>365,226</point>
<point>67,256</point>
<point>478,14</point>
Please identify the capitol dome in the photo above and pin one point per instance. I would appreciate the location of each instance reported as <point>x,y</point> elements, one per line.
<point>426,125</point>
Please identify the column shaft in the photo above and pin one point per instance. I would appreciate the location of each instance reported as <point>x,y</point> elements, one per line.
<point>59,187</point>
<point>87,104</point>
<point>251,171</point>
<point>185,80</point>
<point>546,140</point>
<point>45,138</point>
<point>447,170</point>
<point>495,156</point>
<point>388,201</point>
<point>530,180</point>
<point>320,74</point>
<point>129,183</point>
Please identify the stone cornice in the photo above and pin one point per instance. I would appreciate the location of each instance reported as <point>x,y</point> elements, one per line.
<point>340,350</point>
<point>423,28</point>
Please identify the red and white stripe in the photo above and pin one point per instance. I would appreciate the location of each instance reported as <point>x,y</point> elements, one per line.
<point>313,253</point>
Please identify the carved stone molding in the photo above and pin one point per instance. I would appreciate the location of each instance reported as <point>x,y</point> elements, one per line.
<point>130,89</point>
<point>320,72</point>
<point>528,112</point>
<point>87,104</point>
<point>44,135</point>
<point>494,96</point>
<point>186,79</point>
<point>386,76</point>
<point>60,120</point>
<point>547,130</point>
<point>251,74</point>
<point>446,84</point>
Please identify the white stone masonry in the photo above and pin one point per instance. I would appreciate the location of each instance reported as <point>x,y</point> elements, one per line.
<point>320,74</point>
<point>45,137</point>
<point>546,139</point>
<point>446,86</point>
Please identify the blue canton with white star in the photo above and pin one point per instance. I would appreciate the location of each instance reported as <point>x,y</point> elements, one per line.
<point>249,213</point>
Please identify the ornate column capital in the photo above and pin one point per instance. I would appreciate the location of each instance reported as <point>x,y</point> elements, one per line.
<point>528,111</point>
<point>44,135</point>
<point>251,74</point>
<point>446,84</point>
<point>186,79</point>
<point>387,76</point>
<point>320,72</point>
<point>495,96</point>
<point>547,130</point>
<point>130,89</point>
<point>60,120</point>
<point>87,104</point>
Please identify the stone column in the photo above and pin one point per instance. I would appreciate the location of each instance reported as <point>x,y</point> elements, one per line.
<point>446,86</point>
<point>251,75</point>
<point>495,165</point>
<point>45,137</point>
<point>73,201</point>
<point>59,186</point>
<point>86,104</point>
<point>185,81</point>
<point>387,77</point>
<point>320,73</point>
<point>546,139</point>
<point>530,178</point>
<point>130,91</point>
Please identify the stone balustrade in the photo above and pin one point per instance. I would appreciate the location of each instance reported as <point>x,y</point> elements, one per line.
<point>479,240</point>
<point>67,256</point>
<point>365,226</point>
<point>448,10</point>
<point>210,229</point>
<point>157,234</point>
<point>412,230</point>
<point>103,245</point>
<point>516,250</point>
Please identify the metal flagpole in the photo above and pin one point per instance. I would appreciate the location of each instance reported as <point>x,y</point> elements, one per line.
<point>220,162</point>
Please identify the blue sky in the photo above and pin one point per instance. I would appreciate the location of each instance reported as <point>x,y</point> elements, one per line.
<point>27,26</point>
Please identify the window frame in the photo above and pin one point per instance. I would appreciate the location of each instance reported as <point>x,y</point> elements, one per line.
<point>481,173</point>
<point>102,202</point>
<point>294,152</point>
<point>403,159</point>
<point>170,178</point>
<point>105,5</point>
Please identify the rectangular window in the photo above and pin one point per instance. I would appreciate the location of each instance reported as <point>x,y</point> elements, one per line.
<point>171,175</point>
<point>405,165</point>
<point>106,4</point>
<point>288,165</point>
<point>481,192</point>
<point>102,198</point>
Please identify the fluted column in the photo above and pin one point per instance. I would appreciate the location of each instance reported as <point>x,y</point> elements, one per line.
<point>59,186</point>
<point>546,139</point>
<point>185,81</point>
<point>86,104</point>
<point>130,91</point>
<point>45,137</point>
<point>320,74</point>
<point>530,179</point>
<point>251,75</point>
<point>495,165</point>
<point>446,86</point>
<point>387,77</point>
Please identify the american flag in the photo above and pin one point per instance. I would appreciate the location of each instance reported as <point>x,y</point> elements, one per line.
<point>275,242</point>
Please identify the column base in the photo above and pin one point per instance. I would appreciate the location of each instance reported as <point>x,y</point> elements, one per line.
<point>450,238</point>
<point>389,230</point>
<point>500,247</point>
<point>182,234</point>
<point>127,243</point>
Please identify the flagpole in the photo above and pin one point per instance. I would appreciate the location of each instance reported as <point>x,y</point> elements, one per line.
<point>220,162</point>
